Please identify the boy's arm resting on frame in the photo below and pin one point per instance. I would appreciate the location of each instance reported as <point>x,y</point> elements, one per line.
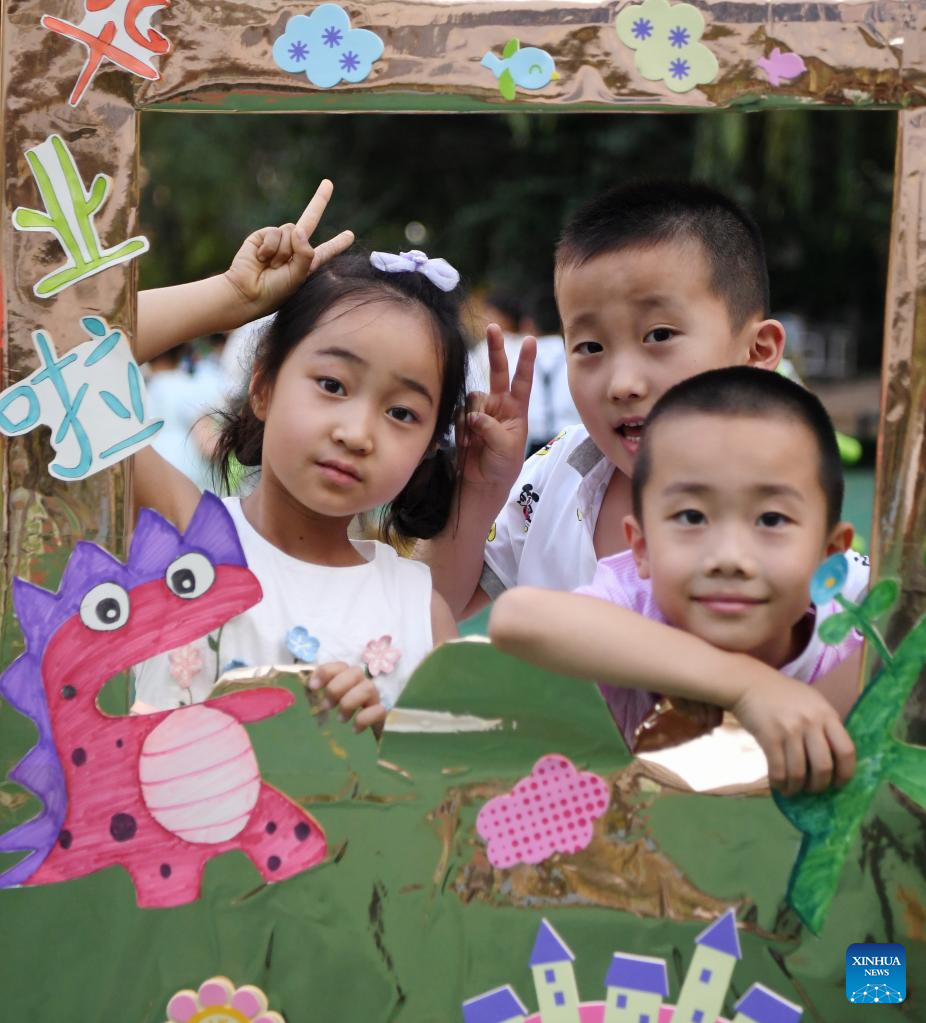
<point>799,731</point>
<point>271,263</point>
<point>492,454</point>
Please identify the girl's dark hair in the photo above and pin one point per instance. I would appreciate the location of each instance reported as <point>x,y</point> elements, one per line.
<point>423,506</point>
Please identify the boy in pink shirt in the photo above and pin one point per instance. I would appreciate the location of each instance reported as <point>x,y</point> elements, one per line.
<point>736,497</point>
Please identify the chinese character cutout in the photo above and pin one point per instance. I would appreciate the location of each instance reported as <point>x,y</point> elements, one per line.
<point>118,31</point>
<point>92,398</point>
<point>69,213</point>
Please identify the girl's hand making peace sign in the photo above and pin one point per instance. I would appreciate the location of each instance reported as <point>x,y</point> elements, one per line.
<point>270,265</point>
<point>274,261</point>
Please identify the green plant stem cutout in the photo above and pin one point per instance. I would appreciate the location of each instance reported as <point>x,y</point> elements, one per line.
<point>830,820</point>
<point>69,212</point>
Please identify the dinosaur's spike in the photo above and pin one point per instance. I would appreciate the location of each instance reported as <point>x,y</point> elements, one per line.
<point>87,566</point>
<point>155,543</point>
<point>39,771</point>
<point>212,531</point>
<point>36,610</point>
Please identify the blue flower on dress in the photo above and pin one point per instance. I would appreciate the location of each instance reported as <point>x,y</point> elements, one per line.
<point>302,644</point>
<point>642,29</point>
<point>679,68</point>
<point>324,47</point>
<point>679,37</point>
<point>829,579</point>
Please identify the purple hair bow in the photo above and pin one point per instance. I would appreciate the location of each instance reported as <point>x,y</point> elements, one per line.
<point>438,271</point>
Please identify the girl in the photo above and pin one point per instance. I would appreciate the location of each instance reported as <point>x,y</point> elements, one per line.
<point>354,384</point>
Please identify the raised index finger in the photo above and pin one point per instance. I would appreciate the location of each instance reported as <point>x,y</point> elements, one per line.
<point>312,214</point>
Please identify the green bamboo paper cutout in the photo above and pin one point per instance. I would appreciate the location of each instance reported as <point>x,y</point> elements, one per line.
<point>69,212</point>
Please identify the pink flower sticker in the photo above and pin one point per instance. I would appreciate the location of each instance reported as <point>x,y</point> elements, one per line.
<point>380,656</point>
<point>185,663</point>
<point>552,810</point>
<point>219,1001</point>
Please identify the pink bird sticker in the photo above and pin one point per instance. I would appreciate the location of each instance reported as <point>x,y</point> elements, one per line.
<point>782,67</point>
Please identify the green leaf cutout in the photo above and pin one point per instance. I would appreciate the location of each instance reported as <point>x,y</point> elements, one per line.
<point>882,598</point>
<point>506,85</point>
<point>835,629</point>
<point>511,48</point>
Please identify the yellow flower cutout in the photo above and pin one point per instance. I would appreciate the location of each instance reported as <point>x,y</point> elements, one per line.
<point>665,37</point>
<point>219,1001</point>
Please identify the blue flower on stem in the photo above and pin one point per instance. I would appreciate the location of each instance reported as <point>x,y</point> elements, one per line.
<point>642,28</point>
<point>829,579</point>
<point>350,61</point>
<point>302,644</point>
<point>679,68</point>
<point>679,37</point>
<point>332,36</point>
<point>299,51</point>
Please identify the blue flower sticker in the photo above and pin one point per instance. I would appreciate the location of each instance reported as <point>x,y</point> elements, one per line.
<point>829,579</point>
<point>324,47</point>
<point>302,644</point>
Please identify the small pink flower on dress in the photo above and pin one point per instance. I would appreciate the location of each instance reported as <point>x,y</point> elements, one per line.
<point>380,656</point>
<point>185,663</point>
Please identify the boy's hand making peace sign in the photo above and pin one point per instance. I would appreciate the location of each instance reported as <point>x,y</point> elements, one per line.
<point>496,433</point>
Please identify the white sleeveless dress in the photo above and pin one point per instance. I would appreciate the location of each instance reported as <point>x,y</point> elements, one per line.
<point>376,614</point>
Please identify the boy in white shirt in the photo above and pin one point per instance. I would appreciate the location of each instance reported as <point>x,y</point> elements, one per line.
<point>655,282</point>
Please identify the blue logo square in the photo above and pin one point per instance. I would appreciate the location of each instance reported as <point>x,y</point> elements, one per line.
<point>876,972</point>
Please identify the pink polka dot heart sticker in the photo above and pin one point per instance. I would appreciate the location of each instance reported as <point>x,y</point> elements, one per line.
<point>552,810</point>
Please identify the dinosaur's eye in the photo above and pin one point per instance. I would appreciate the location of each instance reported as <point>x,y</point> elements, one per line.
<point>105,608</point>
<point>190,576</point>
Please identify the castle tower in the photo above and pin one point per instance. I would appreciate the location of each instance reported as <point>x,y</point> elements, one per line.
<point>554,978</point>
<point>636,987</point>
<point>501,1005</point>
<point>760,1005</point>
<point>705,986</point>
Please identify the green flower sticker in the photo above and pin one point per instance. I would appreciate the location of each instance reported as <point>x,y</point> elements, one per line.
<point>665,38</point>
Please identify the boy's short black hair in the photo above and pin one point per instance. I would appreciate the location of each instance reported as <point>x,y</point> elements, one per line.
<point>747,391</point>
<point>647,213</point>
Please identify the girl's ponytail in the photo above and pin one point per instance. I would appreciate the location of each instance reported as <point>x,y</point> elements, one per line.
<point>422,508</point>
<point>240,441</point>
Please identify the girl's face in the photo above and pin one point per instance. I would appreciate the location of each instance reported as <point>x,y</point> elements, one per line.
<point>353,409</point>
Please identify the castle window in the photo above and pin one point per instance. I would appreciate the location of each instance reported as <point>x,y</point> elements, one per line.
<point>621,1001</point>
<point>550,976</point>
<point>697,1016</point>
<point>559,998</point>
<point>705,976</point>
<point>644,1018</point>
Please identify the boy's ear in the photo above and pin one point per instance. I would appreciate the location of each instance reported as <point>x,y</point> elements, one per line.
<point>840,538</point>
<point>636,541</point>
<point>766,345</point>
